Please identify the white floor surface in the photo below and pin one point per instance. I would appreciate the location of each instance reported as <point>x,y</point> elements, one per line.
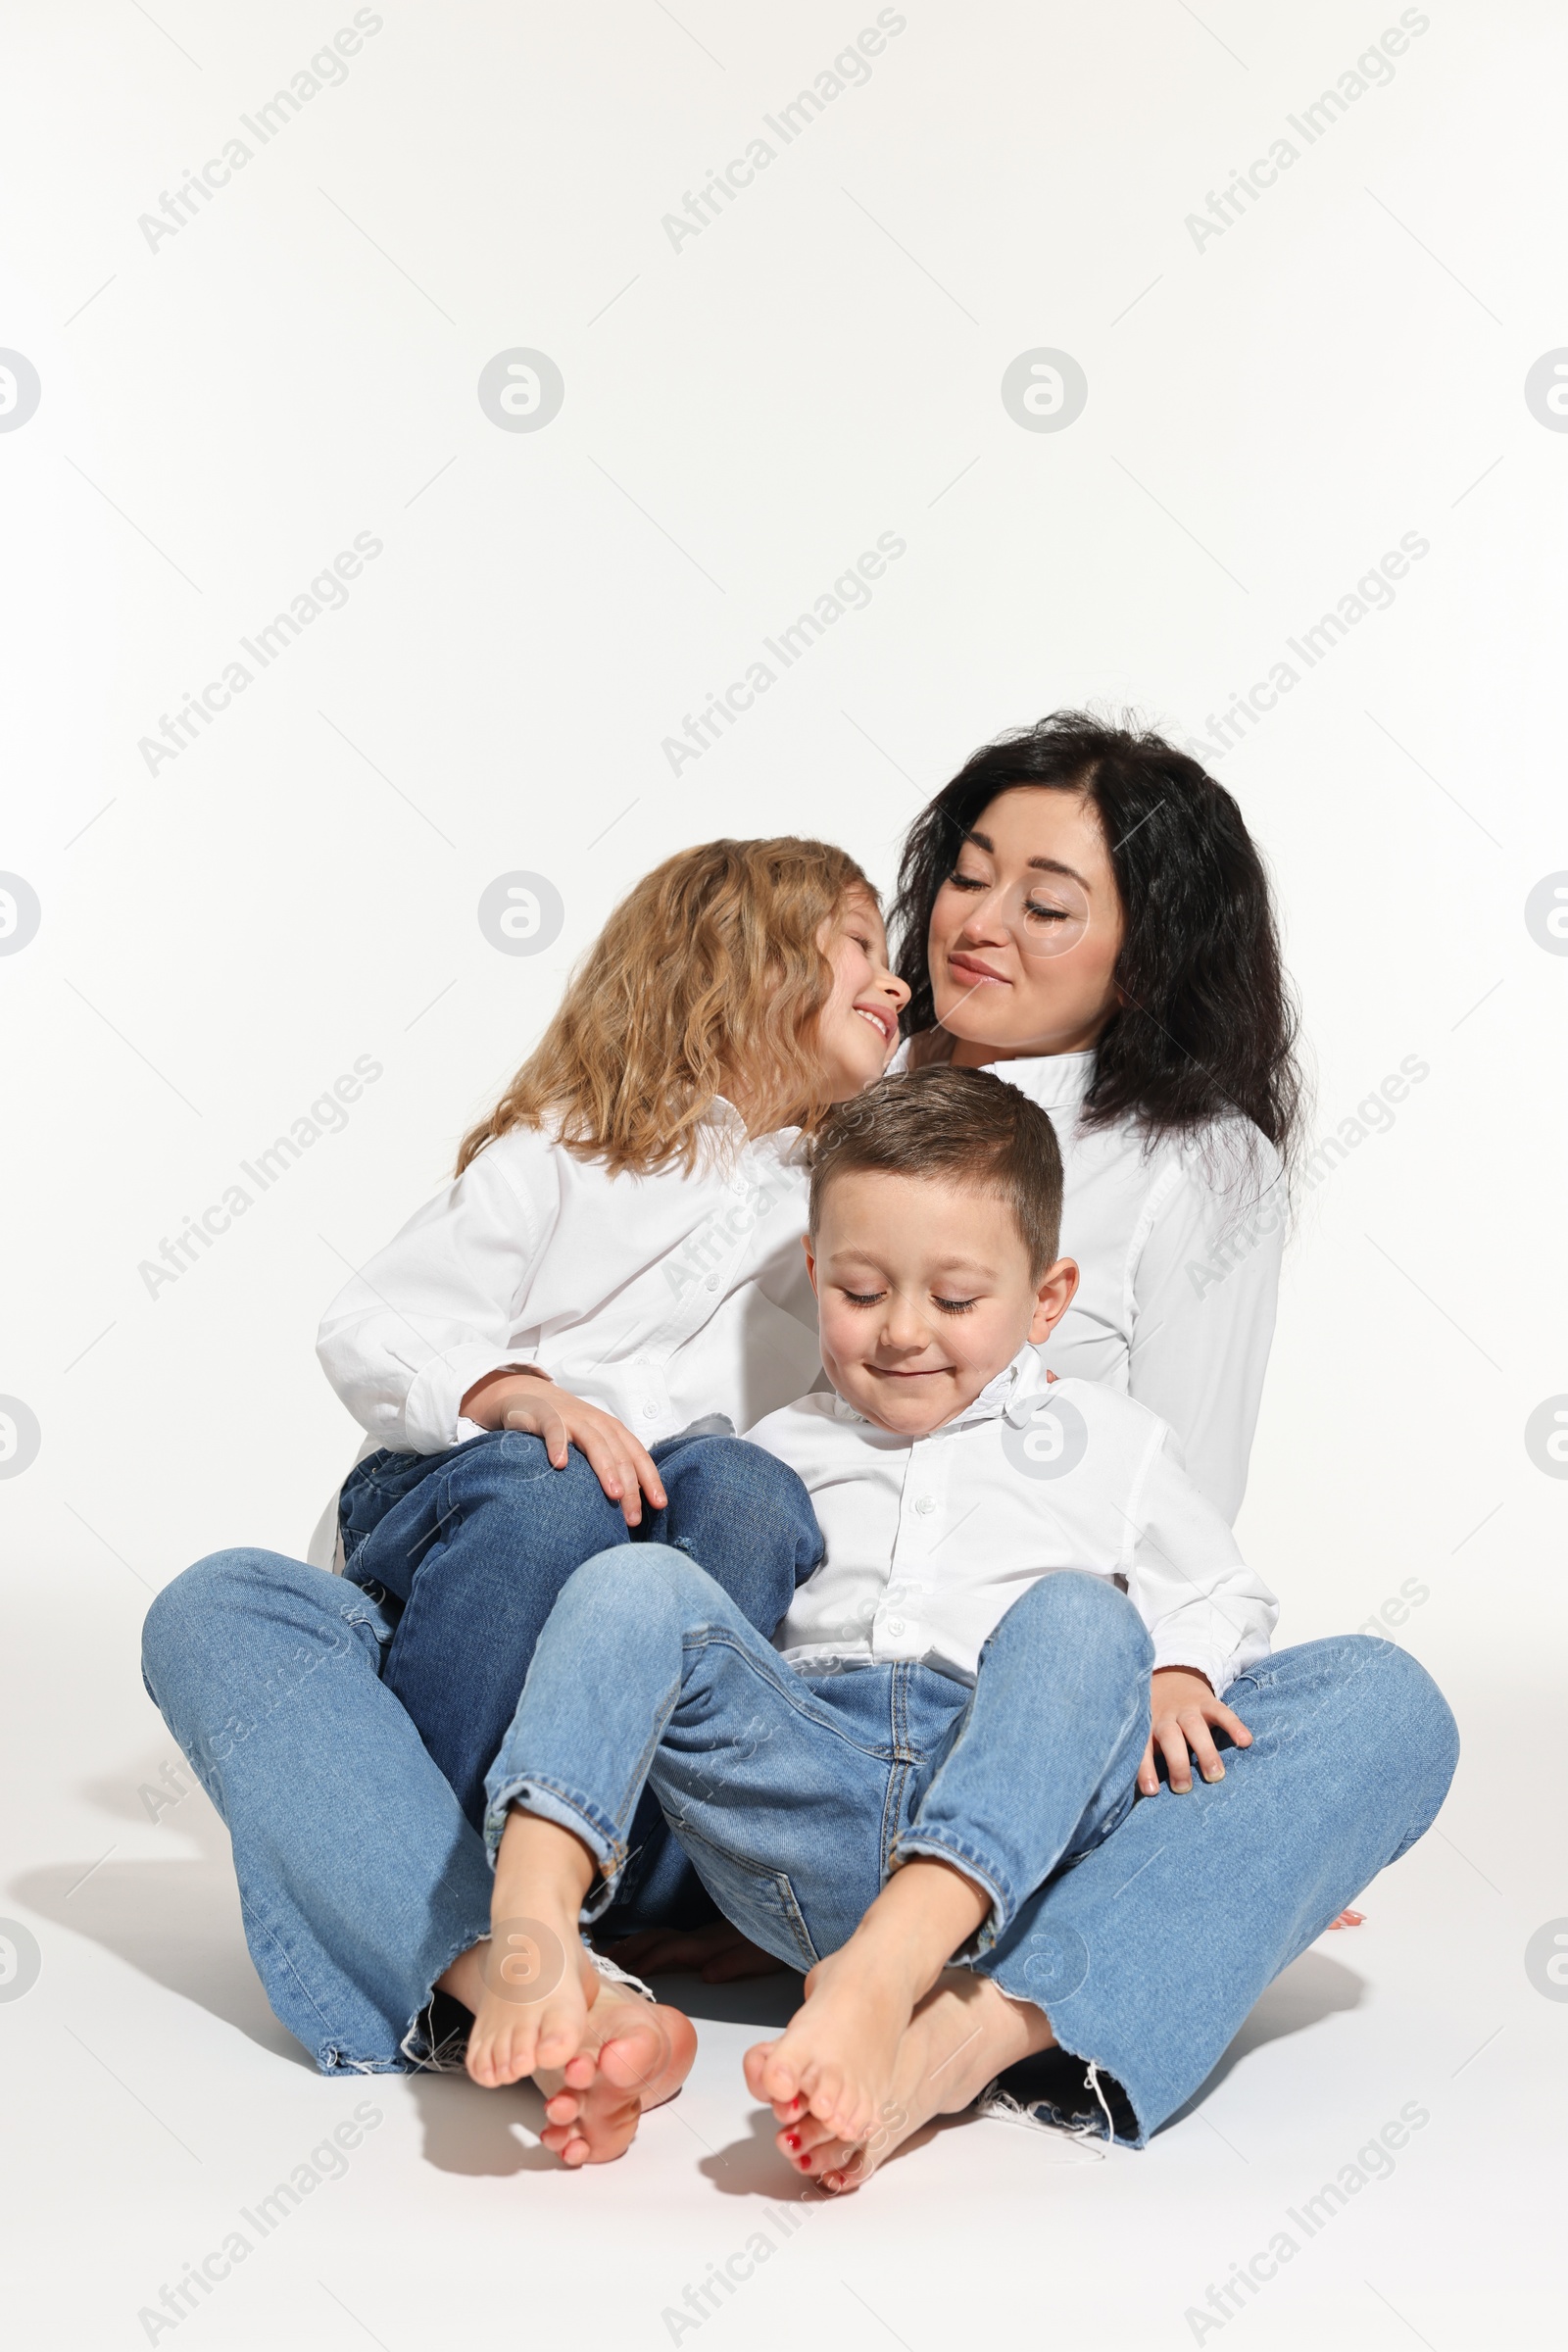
<point>153,2103</point>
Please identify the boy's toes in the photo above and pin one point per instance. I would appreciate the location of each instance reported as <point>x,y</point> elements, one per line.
<point>755,2066</point>
<point>835,2103</point>
<point>560,2036</point>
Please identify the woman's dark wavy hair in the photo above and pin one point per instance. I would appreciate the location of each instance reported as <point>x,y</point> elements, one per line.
<point>1210,1025</point>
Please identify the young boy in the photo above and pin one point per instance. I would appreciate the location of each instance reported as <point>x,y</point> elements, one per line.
<point>1024,1606</point>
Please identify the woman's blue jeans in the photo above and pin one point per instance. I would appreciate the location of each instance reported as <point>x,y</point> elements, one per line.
<point>361,1880</point>
<point>1145,1931</point>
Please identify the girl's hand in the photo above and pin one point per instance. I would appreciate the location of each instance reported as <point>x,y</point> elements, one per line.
<point>1184,1707</point>
<point>532,1402</point>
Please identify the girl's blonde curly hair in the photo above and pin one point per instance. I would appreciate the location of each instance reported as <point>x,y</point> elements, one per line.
<point>710,972</point>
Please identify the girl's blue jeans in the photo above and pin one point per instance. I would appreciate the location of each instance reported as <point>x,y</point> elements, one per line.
<point>361,1878</point>
<point>478,1544</point>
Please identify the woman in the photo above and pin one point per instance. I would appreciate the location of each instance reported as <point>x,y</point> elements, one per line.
<point>1082,910</point>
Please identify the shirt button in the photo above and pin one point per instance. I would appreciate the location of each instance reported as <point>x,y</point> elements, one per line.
<point>895,1626</point>
<point>650,1412</point>
<point>925,1505</point>
<point>712,1282</point>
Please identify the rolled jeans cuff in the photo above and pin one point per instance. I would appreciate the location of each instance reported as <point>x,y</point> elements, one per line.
<point>569,1810</point>
<point>931,1846</point>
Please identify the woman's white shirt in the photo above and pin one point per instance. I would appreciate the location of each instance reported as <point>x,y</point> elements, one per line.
<point>661,1298</point>
<point>1177,1250</point>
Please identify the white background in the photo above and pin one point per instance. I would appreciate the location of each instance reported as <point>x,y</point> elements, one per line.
<point>1268,413</point>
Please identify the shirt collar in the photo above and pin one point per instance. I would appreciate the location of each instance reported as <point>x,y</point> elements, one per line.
<point>1011,1393</point>
<point>1056,1081</point>
<point>721,1117</point>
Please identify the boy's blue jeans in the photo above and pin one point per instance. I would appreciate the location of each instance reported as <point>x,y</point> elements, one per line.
<point>478,1544</point>
<point>795,1795</point>
<point>361,1881</point>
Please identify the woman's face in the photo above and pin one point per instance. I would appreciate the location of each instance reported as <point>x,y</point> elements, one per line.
<point>1026,931</point>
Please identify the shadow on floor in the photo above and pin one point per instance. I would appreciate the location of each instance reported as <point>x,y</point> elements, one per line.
<point>1310,1990</point>
<point>475,2131</point>
<point>177,1921</point>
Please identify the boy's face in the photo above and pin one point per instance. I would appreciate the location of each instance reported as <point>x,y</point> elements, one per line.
<point>924,1294</point>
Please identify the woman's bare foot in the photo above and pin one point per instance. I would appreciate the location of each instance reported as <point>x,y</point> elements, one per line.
<point>634,2056</point>
<point>960,2038</point>
<point>835,2059</point>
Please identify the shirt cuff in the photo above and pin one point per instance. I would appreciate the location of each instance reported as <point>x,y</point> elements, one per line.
<point>431,1414</point>
<point>1217,1668</point>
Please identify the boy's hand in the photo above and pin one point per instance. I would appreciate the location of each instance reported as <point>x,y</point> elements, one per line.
<point>532,1402</point>
<point>1184,1707</point>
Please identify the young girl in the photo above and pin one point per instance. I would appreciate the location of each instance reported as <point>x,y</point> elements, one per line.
<point>618,1259</point>
<point>621,1250</point>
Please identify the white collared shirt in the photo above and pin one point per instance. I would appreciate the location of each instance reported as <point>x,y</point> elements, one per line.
<point>661,1297</point>
<point>931,1539</point>
<point>1178,1252</point>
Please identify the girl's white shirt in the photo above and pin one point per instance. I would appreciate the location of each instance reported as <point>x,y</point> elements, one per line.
<point>667,1297</point>
<point>1177,1250</point>
<point>661,1298</point>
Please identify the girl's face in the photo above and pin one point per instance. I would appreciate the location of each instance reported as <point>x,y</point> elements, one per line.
<point>858,1029</point>
<point>1026,931</point>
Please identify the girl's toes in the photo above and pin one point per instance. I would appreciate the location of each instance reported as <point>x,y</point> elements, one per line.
<point>635,2060</point>
<point>565,2108</point>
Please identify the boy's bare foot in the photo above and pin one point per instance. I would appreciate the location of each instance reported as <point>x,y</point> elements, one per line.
<point>634,2056</point>
<point>538,1987</point>
<point>835,2059</point>
<point>960,2038</point>
<point>531,1986</point>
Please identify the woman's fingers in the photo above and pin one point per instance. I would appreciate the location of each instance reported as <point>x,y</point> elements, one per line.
<point>1147,1772</point>
<point>1221,1714</point>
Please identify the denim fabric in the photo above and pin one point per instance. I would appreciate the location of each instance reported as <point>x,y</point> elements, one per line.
<point>359,1880</point>
<point>793,1795</point>
<point>1148,1955</point>
<point>476,1544</point>
<point>1145,1931</point>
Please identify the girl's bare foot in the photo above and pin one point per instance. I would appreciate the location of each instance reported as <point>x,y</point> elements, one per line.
<point>634,2056</point>
<point>960,2038</point>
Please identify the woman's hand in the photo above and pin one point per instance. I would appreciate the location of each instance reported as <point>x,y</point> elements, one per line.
<point>1184,1709</point>
<point>532,1402</point>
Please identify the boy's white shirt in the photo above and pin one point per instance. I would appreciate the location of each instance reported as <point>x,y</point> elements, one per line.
<point>661,1298</point>
<point>1178,1252</point>
<point>931,1539</point>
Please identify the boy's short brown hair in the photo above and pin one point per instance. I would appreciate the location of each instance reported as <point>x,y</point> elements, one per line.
<point>952,1126</point>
